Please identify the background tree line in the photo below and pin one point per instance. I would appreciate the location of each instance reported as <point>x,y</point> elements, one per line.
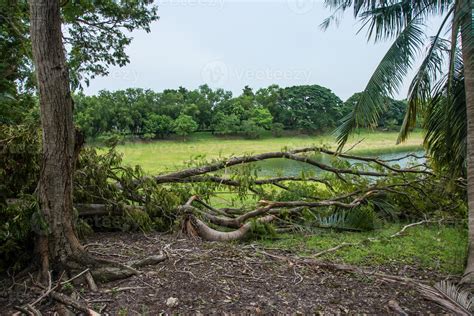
<point>149,115</point>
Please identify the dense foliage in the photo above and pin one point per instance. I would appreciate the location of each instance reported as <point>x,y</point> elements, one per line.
<point>148,114</point>
<point>96,35</point>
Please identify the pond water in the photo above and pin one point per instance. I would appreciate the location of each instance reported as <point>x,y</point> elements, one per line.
<point>285,167</point>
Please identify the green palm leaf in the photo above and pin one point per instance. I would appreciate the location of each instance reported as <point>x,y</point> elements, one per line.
<point>426,76</point>
<point>446,124</point>
<point>385,81</point>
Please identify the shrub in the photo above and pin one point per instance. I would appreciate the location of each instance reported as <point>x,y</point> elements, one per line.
<point>251,130</point>
<point>184,125</point>
<point>277,129</point>
<point>226,124</point>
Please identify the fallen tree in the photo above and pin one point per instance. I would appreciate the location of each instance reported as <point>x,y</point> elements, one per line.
<point>342,185</point>
<point>346,192</point>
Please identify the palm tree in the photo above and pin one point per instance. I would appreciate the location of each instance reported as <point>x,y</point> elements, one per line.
<point>442,89</point>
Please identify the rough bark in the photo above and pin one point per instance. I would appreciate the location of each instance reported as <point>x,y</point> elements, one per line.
<point>58,242</point>
<point>467,37</point>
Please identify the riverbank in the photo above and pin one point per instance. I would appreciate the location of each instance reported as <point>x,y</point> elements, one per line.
<point>165,155</point>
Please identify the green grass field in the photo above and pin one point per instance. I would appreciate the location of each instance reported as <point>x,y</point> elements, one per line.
<point>165,155</point>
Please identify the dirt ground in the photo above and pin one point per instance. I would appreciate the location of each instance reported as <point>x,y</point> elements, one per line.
<point>223,278</point>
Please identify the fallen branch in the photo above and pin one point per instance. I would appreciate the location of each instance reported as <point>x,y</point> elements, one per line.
<point>411,225</point>
<point>187,175</point>
<point>237,183</point>
<point>151,260</point>
<point>290,155</point>
<point>330,202</point>
<point>122,289</point>
<point>380,162</point>
<point>192,226</point>
<point>66,300</point>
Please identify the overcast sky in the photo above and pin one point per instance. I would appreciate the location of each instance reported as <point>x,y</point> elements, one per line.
<point>232,43</point>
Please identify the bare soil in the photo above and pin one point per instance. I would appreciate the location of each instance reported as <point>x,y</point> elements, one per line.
<point>225,278</point>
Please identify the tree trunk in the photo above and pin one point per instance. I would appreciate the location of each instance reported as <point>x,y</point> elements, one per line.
<point>467,36</point>
<point>58,242</point>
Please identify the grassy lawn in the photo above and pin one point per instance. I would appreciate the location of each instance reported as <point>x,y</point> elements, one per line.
<point>439,248</point>
<point>163,155</point>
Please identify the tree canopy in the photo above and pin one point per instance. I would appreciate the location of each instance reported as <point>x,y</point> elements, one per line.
<point>148,114</point>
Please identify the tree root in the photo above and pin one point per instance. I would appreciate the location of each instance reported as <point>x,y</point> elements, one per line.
<point>194,227</point>
<point>266,213</point>
<point>66,300</point>
<point>151,260</point>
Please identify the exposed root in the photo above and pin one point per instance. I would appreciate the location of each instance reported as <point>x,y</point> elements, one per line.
<point>91,282</point>
<point>66,300</point>
<point>151,260</point>
<point>194,227</point>
<point>28,310</point>
<point>266,213</point>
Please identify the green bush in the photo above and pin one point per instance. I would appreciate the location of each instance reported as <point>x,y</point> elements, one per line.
<point>277,129</point>
<point>109,138</point>
<point>226,124</point>
<point>251,130</point>
<point>184,125</point>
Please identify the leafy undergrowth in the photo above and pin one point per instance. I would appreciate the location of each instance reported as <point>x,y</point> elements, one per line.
<point>436,247</point>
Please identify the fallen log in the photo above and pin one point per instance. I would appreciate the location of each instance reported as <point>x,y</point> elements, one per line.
<point>105,209</point>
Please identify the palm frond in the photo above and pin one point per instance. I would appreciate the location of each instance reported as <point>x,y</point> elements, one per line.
<point>458,297</point>
<point>5,96</point>
<point>386,21</point>
<point>420,8</point>
<point>356,219</point>
<point>336,14</point>
<point>445,123</point>
<point>385,81</point>
<point>421,86</point>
